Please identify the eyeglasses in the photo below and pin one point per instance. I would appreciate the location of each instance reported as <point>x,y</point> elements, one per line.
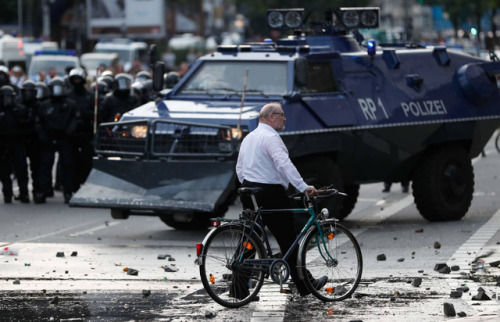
<point>281,114</point>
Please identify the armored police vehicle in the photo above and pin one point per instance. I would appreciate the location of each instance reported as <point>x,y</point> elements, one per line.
<point>354,115</point>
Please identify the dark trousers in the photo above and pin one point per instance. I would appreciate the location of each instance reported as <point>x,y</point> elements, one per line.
<point>83,153</point>
<point>66,160</point>
<point>13,157</point>
<point>33,151</point>
<point>280,224</point>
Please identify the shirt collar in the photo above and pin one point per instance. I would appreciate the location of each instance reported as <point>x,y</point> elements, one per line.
<point>267,127</point>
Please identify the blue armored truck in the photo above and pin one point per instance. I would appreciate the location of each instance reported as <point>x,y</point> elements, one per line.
<point>354,114</point>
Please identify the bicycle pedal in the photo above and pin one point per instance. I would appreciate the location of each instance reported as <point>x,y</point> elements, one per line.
<point>286,291</point>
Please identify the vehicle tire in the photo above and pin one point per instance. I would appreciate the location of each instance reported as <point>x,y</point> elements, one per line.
<point>226,282</point>
<point>193,221</point>
<point>350,200</point>
<point>341,263</point>
<point>443,184</point>
<point>319,172</point>
<point>497,142</point>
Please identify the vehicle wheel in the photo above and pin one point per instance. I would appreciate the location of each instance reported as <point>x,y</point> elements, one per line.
<point>338,262</point>
<point>222,274</point>
<point>349,203</point>
<point>443,184</point>
<point>191,221</point>
<point>497,142</point>
<point>322,171</point>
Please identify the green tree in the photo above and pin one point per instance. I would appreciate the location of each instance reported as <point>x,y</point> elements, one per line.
<point>255,10</point>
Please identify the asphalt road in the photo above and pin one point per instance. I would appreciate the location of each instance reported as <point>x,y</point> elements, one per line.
<point>92,285</point>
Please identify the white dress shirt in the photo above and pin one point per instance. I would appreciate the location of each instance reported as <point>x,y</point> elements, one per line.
<point>263,158</point>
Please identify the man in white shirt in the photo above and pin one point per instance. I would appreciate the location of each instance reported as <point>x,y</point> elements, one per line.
<point>263,161</point>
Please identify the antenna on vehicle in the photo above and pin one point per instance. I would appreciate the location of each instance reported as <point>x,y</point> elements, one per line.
<point>242,99</point>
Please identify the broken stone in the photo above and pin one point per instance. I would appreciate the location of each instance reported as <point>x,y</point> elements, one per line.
<point>381,257</point>
<point>171,259</point>
<point>209,314</point>
<point>17,282</point>
<point>481,296</point>
<point>60,254</point>
<point>74,254</point>
<point>419,230</point>
<point>401,260</point>
<point>449,309</point>
<point>163,256</point>
<point>495,264</point>
<point>416,281</point>
<point>463,289</point>
<point>461,314</point>
<point>55,300</point>
<point>359,295</point>
<point>434,293</point>
<point>421,271</point>
<point>169,268</point>
<point>455,268</point>
<point>438,266</point>
<point>132,272</point>
<point>437,245</point>
<point>445,270</point>
<point>456,294</point>
<point>146,293</point>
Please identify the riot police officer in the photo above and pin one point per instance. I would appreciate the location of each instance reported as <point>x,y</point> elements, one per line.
<point>4,76</point>
<point>42,92</point>
<point>59,119</point>
<point>82,137</point>
<point>31,106</point>
<point>12,151</point>
<point>120,101</point>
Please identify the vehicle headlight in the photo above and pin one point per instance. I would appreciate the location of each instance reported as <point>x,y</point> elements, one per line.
<point>236,133</point>
<point>139,131</point>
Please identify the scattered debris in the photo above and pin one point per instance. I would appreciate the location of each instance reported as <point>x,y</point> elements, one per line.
<point>146,293</point>
<point>442,268</point>
<point>480,264</point>
<point>132,272</point>
<point>421,271</point>
<point>60,254</point>
<point>455,268</point>
<point>481,296</point>
<point>170,268</point>
<point>456,294</point>
<point>419,230</point>
<point>461,314</point>
<point>449,309</point>
<point>438,266</point>
<point>359,295</point>
<point>163,256</point>
<point>17,282</point>
<point>463,289</point>
<point>74,254</point>
<point>495,264</point>
<point>171,259</point>
<point>416,281</point>
<point>55,300</point>
<point>381,257</point>
<point>401,260</point>
<point>27,264</point>
<point>209,314</point>
<point>437,245</point>
<point>125,269</point>
<point>9,251</point>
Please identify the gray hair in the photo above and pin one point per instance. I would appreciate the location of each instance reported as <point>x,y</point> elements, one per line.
<point>268,109</point>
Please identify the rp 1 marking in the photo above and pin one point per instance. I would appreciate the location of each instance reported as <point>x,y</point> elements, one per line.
<point>369,108</point>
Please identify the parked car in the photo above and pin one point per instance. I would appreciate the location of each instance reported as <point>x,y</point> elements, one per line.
<point>60,60</point>
<point>92,61</point>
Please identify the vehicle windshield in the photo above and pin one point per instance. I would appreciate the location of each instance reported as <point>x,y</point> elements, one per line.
<point>123,54</point>
<point>94,63</point>
<point>60,66</point>
<point>264,78</point>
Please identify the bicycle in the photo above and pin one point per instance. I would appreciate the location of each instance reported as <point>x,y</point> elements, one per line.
<point>236,256</point>
<point>497,142</point>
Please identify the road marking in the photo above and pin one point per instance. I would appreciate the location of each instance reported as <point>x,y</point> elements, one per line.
<point>389,211</point>
<point>92,230</point>
<point>52,233</point>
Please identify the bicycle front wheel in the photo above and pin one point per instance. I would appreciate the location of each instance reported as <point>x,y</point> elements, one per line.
<point>332,265</point>
<point>226,277</point>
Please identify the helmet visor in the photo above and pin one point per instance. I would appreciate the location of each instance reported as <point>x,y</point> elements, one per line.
<point>57,90</point>
<point>123,84</point>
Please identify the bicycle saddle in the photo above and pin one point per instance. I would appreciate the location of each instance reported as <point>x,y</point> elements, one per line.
<point>249,190</point>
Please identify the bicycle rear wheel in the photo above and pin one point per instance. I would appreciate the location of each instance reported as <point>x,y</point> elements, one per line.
<point>332,274</point>
<point>225,277</point>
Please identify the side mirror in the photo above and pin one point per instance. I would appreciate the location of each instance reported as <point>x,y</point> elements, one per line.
<point>300,72</point>
<point>158,71</point>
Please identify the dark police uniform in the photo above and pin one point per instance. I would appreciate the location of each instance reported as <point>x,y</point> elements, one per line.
<point>120,101</point>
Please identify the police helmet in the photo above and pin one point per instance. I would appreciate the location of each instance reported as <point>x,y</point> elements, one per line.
<point>109,80</point>
<point>142,76</point>
<point>28,90</point>
<point>4,76</point>
<point>7,96</point>
<point>172,79</point>
<point>57,87</point>
<point>102,87</point>
<point>108,73</point>
<point>123,82</point>
<point>77,76</point>
<point>42,91</point>
<point>137,87</point>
